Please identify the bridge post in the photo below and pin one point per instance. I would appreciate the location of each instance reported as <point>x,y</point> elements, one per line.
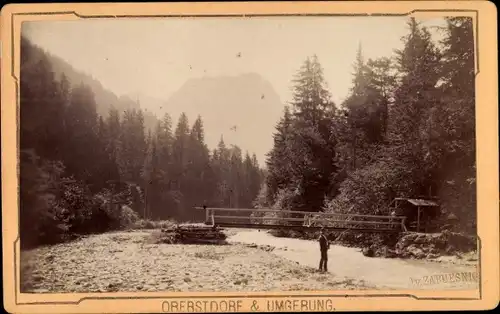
<point>206,213</point>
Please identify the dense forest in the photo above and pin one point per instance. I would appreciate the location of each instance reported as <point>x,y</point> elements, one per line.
<point>407,129</point>
<point>83,172</point>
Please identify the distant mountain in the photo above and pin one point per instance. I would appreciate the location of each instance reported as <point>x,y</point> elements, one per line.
<point>105,99</point>
<point>243,109</point>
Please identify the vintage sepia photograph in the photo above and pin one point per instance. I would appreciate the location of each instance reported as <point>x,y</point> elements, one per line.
<point>219,154</point>
<point>249,157</point>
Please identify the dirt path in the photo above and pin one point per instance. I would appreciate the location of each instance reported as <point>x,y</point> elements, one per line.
<point>129,261</point>
<point>379,272</point>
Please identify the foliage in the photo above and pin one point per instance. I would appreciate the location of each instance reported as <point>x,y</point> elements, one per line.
<point>368,190</point>
<point>55,208</point>
<point>303,158</point>
<point>39,183</point>
<point>82,172</point>
<point>405,130</point>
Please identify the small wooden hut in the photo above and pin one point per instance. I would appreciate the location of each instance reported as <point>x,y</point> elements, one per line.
<point>421,214</point>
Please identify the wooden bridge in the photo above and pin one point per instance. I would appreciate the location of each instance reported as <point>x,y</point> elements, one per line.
<point>299,220</point>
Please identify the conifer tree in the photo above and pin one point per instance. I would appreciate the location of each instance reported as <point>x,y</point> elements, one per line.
<point>278,159</point>
<point>151,176</point>
<point>132,146</point>
<point>455,136</point>
<point>312,140</point>
<point>197,191</point>
<point>415,101</point>
<point>82,127</point>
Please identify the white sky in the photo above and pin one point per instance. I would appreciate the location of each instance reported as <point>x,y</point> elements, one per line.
<point>156,56</point>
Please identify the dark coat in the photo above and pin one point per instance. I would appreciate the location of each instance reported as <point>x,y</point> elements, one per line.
<point>323,243</point>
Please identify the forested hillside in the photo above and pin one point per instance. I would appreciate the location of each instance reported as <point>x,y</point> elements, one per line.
<point>76,161</point>
<point>406,130</point>
<point>105,100</point>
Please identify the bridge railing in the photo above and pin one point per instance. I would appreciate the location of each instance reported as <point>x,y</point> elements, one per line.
<point>272,218</point>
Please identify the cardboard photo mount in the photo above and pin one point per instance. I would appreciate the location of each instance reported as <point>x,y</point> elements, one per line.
<point>484,15</point>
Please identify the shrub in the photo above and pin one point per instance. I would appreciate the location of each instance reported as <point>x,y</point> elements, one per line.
<point>370,188</point>
<point>86,213</point>
<point>42,221</point>
<point>127,217</point>
<point>119,216</point>
<point>55,209</point>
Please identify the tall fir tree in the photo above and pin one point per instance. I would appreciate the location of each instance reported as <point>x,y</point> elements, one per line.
<point>132,146</point>
<point>355,114</point>
<point>82,127</point>
<point>278,159</point>
<point>199,162</point>
<point>363,124</point>
<point>312,139</point>
<point>180,162</point>
<point>455,136</point>
<point>416,99</point>
<point>113,127</point>
<point>152,176</point>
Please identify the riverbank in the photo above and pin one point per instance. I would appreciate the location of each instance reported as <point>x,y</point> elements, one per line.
<point>379,272</point>
<point>444,247</point>
<point>131,261</point>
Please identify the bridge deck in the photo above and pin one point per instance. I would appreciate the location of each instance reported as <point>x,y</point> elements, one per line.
<point>302,228</point>
<point>299,220</point>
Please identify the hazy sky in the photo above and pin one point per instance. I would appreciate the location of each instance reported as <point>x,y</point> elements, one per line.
<point>156,56</point>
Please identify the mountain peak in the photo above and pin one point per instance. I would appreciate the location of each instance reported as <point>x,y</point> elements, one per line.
<point>231,106</point>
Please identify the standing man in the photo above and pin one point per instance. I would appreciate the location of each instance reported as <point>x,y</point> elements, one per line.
<point>324,245</point>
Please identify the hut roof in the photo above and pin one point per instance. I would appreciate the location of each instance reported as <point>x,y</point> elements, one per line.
<point>419,202</point>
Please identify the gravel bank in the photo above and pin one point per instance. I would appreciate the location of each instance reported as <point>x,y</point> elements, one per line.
<point>130,261</point>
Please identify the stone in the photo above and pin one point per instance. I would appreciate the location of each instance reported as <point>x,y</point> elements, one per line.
<point>432,256</point>
<point>368,252</point>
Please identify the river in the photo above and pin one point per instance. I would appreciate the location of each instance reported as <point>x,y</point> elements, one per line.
<point>382,273</point>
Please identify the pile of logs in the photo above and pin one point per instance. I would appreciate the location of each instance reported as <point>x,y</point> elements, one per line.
<point>193,234</point>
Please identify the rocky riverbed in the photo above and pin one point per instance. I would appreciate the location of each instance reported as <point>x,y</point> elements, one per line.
<point>132,261</point>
